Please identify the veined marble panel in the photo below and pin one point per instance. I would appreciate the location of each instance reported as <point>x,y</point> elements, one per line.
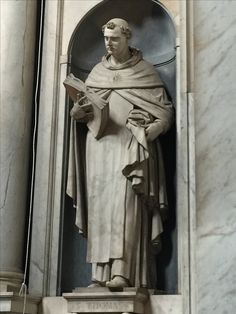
<point>215,109</point>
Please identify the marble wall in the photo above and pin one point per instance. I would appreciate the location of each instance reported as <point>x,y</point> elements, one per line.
<point>213,99</point>
<point>215,113</point>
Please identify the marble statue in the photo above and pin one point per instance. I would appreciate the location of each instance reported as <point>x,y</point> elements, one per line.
<point>117,179</point>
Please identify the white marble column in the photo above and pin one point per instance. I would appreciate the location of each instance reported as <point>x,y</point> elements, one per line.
<point>18,33</point>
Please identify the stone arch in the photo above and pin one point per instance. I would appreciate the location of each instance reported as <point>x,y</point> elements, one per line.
<point>154,33</point>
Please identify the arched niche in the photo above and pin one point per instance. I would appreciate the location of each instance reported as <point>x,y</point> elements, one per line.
<point>154,34</point>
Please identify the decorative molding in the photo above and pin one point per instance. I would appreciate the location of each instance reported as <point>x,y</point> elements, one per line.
<point>10,281</point>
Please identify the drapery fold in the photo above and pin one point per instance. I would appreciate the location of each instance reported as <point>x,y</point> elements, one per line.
<point>137,88</point>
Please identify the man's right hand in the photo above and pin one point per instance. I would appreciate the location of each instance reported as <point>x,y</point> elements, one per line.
<point>82,113</point>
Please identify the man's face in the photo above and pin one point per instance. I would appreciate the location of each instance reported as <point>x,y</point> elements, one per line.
<point>115,41</point>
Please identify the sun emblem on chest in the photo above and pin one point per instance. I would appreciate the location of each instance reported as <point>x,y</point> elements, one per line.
<point>116,77</point>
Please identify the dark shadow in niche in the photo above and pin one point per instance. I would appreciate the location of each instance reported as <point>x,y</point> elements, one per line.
<point>166,261</point>
<point>75,271</point>
<point>154,35</point>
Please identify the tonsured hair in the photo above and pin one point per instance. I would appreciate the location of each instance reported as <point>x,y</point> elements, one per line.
<point>124,30</point>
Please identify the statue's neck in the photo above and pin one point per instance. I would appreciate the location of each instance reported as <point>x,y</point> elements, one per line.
<point>122,58</point>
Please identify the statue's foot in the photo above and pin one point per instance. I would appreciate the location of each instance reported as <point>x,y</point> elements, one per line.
<point>117,282</point>
<point>95,284</point>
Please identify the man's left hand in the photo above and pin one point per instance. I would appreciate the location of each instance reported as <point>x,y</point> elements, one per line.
<point>153,131</point>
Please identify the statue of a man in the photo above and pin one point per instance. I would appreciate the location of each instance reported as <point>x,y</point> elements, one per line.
<point>117,181</point>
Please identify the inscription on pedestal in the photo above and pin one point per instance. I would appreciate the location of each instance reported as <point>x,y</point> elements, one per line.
<point>102,306</point>
<point>105,301</point>
<point>98,306</point>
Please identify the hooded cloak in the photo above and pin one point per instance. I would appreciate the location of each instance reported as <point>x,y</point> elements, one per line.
<point>121,165</point>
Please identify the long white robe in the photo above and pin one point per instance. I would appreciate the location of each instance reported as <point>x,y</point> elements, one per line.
<point>120,220</point>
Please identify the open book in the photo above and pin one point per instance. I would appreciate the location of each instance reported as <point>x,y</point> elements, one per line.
<point>74,86</point>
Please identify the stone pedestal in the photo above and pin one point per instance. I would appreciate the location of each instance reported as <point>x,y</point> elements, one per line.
<point>18,29</point>
<point>12,303</point>
<point>103,300</point>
